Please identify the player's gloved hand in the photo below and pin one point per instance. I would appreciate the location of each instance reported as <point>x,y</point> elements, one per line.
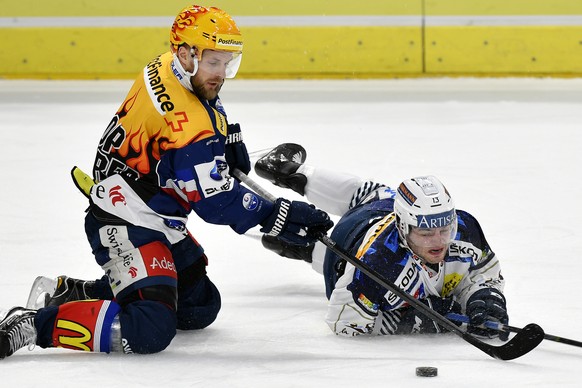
<point>235,151</point>
<point>487,304</point>
<point>412,321</point>
<point>296,222</point>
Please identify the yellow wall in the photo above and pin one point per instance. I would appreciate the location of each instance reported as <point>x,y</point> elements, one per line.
<point>503,7</point>
<point>375,38</point>
<point>518,47</point>
<point>233,7</point>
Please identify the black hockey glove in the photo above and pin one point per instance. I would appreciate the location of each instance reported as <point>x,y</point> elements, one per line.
<point>487,304</point>
<point>235,151</point>
<point>296,222</point>
<point>413,321</point>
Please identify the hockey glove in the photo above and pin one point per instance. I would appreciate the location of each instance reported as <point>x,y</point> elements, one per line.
<point>296,222</point>
<point>235,151</point>
<point>487,304</point>
<point>413,321</point>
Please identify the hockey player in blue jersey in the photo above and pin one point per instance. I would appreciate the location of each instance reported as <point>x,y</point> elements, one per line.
<point>168,150</point>
<point>413,236</point>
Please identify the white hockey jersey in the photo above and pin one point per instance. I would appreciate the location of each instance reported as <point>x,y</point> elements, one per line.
<point>360,306</point>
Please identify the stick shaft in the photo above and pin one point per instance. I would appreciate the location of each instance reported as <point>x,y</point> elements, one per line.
<point>253,185</point>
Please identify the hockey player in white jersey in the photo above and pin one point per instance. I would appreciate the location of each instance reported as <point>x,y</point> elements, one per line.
<point>413,236</point>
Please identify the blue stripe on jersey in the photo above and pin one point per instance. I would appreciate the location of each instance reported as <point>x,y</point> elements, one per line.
<point>105,342</point>
<point>458,258</point>
<point>391,242</point>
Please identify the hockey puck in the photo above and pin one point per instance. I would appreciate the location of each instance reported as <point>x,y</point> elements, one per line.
<point>426,371</point>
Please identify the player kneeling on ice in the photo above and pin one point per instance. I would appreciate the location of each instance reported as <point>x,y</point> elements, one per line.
<point>412,236</point>
<point>169,150</point>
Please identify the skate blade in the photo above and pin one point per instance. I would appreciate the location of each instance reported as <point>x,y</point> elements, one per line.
<point>42,289</point>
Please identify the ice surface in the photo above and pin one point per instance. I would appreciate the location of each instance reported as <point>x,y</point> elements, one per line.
<point>509,151</point>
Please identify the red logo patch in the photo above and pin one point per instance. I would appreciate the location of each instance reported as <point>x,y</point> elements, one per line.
<point>116,196</point>
<point>158,260</point>
<point>133,272</point>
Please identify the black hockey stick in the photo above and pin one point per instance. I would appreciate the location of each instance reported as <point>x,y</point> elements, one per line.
<point>512,329</point>
<point>523,342</point>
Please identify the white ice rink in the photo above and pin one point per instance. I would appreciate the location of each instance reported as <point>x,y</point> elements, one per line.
<point>509,151</point>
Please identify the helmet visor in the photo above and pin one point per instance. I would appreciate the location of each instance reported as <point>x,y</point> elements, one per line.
<point>233,65</point>
<point>222,63</point>
<point>432,237</point>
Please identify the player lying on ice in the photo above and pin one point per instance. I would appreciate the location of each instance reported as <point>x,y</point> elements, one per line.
<point>413,236</point>
<point>168,151</point>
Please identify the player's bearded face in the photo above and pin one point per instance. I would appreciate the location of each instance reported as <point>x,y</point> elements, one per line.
<point>211,73</point>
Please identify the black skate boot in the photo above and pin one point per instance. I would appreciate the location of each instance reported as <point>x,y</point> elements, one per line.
<point>68,290</point>
<point>50,292</point>
<point>279,167</point>
<point>287,250</point>
<point>17,331</point>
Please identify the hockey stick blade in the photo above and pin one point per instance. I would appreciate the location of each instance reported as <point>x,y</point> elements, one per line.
<point>521,344</point>
<point>549,337</point>
<point>512,329</point>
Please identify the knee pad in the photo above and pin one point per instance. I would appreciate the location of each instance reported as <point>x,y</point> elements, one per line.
<point>147,327</point>
<point>198,305</point>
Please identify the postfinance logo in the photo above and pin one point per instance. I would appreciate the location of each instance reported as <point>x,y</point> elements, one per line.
<point>229,42</point>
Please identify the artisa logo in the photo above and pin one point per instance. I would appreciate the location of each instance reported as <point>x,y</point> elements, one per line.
<point>229,42</point>
<point>435,220</point>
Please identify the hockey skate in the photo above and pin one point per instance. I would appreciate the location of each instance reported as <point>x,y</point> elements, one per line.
<point>279,166</point>
<point>17,331</point>
<point>54,292</point>
<point>289,251</point>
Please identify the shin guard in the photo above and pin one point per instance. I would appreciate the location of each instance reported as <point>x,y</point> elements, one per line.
<point>85,325</point>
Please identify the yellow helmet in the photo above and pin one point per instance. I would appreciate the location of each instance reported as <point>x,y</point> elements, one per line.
<point>206,28</point>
